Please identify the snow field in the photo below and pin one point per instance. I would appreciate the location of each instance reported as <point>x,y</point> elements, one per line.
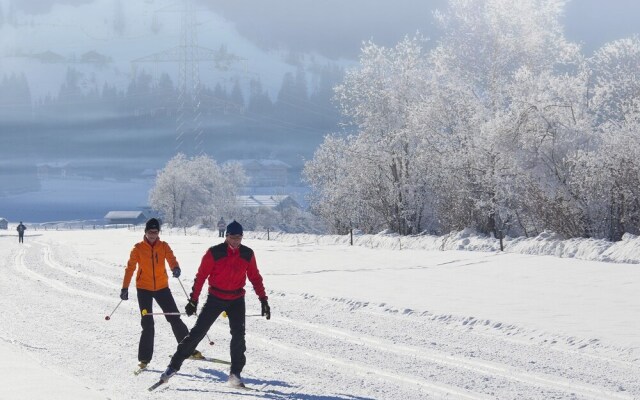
<point>59,286</point>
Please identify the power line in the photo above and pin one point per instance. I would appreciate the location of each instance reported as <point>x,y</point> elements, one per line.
<point>188,55</point>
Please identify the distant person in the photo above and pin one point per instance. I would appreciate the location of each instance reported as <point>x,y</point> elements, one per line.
<point>227,267</point>
<point>152,282</point>
<point>21,228</point>
<point>221,227</point>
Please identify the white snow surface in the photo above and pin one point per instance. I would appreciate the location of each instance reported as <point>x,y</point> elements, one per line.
<point>390,317</point>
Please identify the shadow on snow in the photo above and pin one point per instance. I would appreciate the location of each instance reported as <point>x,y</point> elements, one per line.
<point>270,390</point>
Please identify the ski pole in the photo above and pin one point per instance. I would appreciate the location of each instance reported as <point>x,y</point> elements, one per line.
<point>108,317</point>
<point>211,343</point>
<point>182,286</point>
<point>145,313</point>
<point>224,315</point>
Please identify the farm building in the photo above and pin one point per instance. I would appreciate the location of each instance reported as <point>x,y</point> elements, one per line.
<point>125,217</point>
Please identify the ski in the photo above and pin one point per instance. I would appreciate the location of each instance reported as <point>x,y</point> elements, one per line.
<point>262,388</point>
<point>245,388</point>
<point>249,388</point>
<point>156,385</point>
<point>211,360</point>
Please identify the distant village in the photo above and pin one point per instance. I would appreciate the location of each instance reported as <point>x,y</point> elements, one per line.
<point>269,186</point>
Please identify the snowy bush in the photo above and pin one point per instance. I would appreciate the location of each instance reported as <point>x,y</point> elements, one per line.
<point>190,191</point>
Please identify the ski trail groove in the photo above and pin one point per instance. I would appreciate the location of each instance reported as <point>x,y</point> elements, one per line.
<point>21,266</point>
<point>484,367</point>
<point>435,389</point>
<point>49,261</point>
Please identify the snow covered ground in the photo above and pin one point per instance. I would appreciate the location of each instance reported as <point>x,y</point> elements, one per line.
<point>388,318</point>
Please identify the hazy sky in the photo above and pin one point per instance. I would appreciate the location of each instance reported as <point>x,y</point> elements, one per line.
<point>331,28</point>
<point>336,28</point>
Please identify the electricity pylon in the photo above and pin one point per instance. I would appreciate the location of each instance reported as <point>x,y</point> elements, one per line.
<point>188,55</point>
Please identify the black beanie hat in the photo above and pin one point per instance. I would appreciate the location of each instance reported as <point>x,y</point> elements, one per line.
<point>152,224</point>
<point>234,228</point>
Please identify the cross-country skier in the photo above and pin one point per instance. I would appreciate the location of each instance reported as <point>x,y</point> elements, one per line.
<point>221,227</point>
<point>227,267</point>
<point>21,228</point>
<point>152,282</point>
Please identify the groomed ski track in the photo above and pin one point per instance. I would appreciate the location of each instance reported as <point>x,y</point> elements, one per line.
<point>317,348</point>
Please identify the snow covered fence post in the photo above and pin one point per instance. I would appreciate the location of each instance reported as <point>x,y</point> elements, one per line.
<point>500,236</point>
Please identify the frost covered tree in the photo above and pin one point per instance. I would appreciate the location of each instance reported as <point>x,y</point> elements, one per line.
<point>378,98</point>
<point>612,174</point>
<point>553,124</point>
<point>616,79</point>
<point>189,191</point>
<point>620,154</point>
<point>503,126</point>
<point>606,174</point>
<point>330,176</point>
<point>489,50</point>
<point>485,42</point>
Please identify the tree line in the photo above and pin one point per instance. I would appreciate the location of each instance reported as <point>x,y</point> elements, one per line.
<point>502,125</point>
<point>301,99</point>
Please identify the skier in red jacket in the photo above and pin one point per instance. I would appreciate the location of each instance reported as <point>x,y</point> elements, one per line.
<point>227,267</point>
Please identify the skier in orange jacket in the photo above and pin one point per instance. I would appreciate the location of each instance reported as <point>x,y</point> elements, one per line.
<point>152,282</point>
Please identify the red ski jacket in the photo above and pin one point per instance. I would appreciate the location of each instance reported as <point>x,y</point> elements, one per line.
<point>227,270</point>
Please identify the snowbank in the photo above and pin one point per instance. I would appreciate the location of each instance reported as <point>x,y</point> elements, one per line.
<point>625,251</point>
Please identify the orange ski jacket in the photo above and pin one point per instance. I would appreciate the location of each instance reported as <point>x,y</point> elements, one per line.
<point>150,260</point>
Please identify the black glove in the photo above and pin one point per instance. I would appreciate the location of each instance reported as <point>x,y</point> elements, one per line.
<point>266,310</point>
<point>176,272</point>
<point>124,293</point>
<point>191,307</point>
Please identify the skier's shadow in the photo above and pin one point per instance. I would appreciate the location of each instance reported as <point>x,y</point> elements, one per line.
<point>270,391</point>
<point>223,376</point>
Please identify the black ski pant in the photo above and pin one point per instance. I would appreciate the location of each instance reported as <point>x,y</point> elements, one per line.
<point>20,237</point>
<point>214,306</point>
<point>165,300</point>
